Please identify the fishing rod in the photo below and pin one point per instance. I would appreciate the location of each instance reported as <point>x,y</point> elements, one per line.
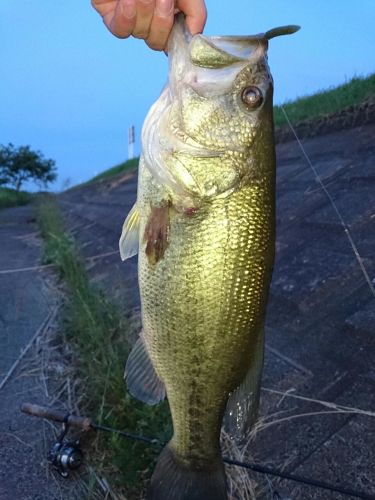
<point>66,455</point>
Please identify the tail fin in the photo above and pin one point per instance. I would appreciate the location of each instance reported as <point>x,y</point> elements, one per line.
<point>173,480</point>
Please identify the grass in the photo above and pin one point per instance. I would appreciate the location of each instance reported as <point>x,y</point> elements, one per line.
<point>98,333</point>
<point>126,166</point>
<point>328,101</point>
<point>11,198</point>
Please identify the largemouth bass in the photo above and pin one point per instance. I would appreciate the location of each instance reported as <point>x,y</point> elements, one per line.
<point>204,228</point>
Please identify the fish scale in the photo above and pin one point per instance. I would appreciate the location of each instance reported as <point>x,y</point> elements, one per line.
<point>208,309</point>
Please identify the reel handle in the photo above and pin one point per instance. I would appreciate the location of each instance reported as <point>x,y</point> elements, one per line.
<point>83,423</point>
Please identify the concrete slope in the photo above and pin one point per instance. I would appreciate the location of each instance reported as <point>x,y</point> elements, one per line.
<point>320,322</point>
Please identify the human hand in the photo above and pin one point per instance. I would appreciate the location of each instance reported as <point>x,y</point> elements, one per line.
<point>151,20</point>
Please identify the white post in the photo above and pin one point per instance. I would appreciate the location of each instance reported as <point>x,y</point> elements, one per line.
<point>131,141</point>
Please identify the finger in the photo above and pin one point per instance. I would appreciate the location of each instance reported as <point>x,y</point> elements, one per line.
<point>161,24</point>
<point>121,22</point>
<point>145,9</point>
<point>196,14</point>
<point>103,6</point>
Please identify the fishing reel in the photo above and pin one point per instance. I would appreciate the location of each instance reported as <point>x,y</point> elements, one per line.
<point>65,455</point>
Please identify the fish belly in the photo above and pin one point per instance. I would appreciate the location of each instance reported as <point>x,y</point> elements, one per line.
<point>202,305</point>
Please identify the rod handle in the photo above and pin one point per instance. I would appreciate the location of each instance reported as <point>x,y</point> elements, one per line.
<point>83,423</point>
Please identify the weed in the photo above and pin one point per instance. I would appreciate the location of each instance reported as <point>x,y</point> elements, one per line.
<point>98,332</point>
<point>328,101</point>
<point>11,197</point>
<point>126,166</point>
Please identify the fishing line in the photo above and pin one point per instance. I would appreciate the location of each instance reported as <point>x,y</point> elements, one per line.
<point>70,449</point>
<point>90,258</point>
<point>334,206</point>
<point>250,466</point>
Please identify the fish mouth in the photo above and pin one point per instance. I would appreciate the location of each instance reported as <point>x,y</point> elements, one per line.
<point>216,52</point>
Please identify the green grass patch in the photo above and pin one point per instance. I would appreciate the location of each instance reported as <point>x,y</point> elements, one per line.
<point>98,332</point>
<point>126,166</point>
<point>11,198</point>
<point>328,101</point>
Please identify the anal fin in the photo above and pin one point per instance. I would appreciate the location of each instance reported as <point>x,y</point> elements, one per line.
<point>141,378</point>
<point>243,404</point>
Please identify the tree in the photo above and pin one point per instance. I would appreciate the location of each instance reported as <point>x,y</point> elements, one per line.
<point>21,164</point>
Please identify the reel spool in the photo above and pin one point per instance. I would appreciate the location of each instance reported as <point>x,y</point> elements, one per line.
<point>65,455</point>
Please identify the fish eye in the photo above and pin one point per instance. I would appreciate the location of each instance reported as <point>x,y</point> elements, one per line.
<point>252,96</point>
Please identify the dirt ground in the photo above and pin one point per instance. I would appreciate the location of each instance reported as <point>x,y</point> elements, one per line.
<point>33,366</point>
<point>320,319</point>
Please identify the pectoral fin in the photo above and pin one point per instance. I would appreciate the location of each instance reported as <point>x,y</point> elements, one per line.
<point>156,235</point>
<point>141,378</point>
<point>242,407</point>
<point>129,240</point>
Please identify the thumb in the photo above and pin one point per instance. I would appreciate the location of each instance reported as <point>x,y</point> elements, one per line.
<point>195,12</point>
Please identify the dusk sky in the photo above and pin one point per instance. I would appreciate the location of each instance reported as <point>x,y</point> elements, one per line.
<point>71,89</point>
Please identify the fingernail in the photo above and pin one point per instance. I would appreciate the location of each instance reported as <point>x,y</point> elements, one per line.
<point>164,8</point>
